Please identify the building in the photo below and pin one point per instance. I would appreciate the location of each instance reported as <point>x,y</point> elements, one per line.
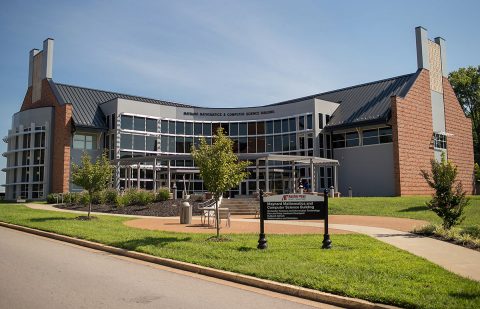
<point>382,133</point>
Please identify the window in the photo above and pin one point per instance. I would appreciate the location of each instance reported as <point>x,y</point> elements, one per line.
<point>292,124</point>
<point>164,143</point>
<point>327,119</point>
<point>338,140</point>
<point>26,141</point>
<point>277,143</point>
<point>114,121</point>
<point>261,143</point>
<point>139,123</point>
<point>252,144</point>
<point>127,122</point>
<point>321,146</point>
<point>277,126</point>
<point>269,143</point>
<point>285,125</point>
<point>40,139</point>
<point>164,126</point>
<point>85,141</point>
<point>215,127</point>
<point>439,141</point>
<point>352,139</point>
<point>39,156</point>
<point>189,128</point>
<point>242,128</point>
<point>188,144</point>
<point>180,142</point>
<point>320,120</point>
<point>252,128</point>
<point>385,135</point>
<point>309,122</point>
<point>270,127</point>
<point>242,145</point>
<point>301,123</point>
<point>234,129</point>
<point>197,128</point>
<point>171,127</point>
<point>139,142</point>
<point>370,137</point>
<point>260,127</point>
<point>126,141</point>
<point>151,143</point>
<point>151,125</point>
<point>207,129</point>
<point>108,121</point>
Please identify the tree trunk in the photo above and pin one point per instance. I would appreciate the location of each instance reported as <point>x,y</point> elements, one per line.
<point>217,217</point>
<point>89,209</point>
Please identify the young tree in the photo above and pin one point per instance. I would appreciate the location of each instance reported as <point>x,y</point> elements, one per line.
<point>449,199</point>
<point>466,84</point>
<point>219,167</point>
<point>93,177</point>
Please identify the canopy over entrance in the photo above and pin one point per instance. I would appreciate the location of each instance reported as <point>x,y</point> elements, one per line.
<point>154,162</point>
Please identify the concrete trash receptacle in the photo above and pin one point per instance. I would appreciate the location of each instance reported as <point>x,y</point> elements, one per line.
<point>186,213</point>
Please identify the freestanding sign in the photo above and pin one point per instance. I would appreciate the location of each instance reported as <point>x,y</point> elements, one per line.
<point>294,207</point>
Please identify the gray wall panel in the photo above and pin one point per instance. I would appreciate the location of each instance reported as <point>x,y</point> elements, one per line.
<point>368,170</point>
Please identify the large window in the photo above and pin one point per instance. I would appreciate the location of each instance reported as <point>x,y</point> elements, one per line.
<point>127,122</point>
<point>338,140</point>
<point>151,125</point>
<point>352,139</point>
<point>85,141</point>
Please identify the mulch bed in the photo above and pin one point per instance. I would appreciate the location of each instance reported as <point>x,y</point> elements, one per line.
<point>170,208</point>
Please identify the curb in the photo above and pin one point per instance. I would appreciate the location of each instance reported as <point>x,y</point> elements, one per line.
<point>282,288</point>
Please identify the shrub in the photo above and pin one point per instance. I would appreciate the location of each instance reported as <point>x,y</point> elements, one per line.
<point>163,195</point>
<point>144,197</point>
<point>449,199</point>
<point>84,198</point>
<point>473,231</point>
<point>52,198</point>
<point>98,198</point>
<point>111,196</point>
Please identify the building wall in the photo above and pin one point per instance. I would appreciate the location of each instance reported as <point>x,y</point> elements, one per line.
<point>412,137</point>
<point>61,148</point>
<point>460,143</point>
<point>368,170</point>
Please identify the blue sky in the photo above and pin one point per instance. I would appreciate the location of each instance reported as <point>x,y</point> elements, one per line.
<point>225,53</point>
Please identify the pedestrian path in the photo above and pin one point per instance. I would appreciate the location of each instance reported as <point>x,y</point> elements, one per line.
<point>457,259</point>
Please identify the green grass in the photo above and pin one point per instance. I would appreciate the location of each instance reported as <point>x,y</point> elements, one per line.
<point>357,266</point>
<point>402,207</point>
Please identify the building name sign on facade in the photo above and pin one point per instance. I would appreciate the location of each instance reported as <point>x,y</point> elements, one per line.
<point>228,114</point>
<point>294,207</point>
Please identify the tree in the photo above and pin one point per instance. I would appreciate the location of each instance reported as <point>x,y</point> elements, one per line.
<point>93,177</point>
<point>449,199</point>
<point>466,84</point>
<point>219,167</point>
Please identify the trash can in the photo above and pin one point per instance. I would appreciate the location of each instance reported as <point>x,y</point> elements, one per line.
<point>186,213</point>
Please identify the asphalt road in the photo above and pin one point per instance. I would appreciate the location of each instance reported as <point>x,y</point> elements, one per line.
<point>37,272</point>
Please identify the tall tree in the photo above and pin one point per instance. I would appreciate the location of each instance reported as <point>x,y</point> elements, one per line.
<point>466,84</point>
<point>219,167</point>
<point>93,177</point>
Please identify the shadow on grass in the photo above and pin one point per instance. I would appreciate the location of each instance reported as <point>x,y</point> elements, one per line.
<point>413,209</point>
<point>465,295</point>
<point>45,219</point>
<point>134,244</point>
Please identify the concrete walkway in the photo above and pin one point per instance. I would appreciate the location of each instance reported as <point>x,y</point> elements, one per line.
<point>462,261</point>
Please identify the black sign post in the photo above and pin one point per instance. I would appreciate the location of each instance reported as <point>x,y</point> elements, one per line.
<point>294,207</point>
<point>262,241</point>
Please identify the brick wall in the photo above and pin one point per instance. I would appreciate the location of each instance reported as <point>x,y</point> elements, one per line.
<point>413,142</point>
<point>460,144</point>
<point>60,172</point>
<point>61,149</point>
<point>412,137</point>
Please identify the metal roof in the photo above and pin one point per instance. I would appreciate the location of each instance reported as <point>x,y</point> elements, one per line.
<point>366,103</point>
<point>85,101</point>
<point>359,105</point>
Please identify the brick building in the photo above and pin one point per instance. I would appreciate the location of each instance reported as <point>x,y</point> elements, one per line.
<point>382,133</point>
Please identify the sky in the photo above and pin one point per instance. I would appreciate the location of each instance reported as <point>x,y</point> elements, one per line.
<point>225,53</point>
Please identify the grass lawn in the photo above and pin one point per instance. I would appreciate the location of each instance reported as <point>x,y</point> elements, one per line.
<point>403,207</point>
<point>357,266</point>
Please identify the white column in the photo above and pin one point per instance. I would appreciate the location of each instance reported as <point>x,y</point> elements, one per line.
<point>138,176</point>
<point>169,176</point>
<point>335,178</point>
<point>267,177</point>
<point>294,180</point>
<point>155,175</point>
<point>312,173</point>
<point>258,176</point>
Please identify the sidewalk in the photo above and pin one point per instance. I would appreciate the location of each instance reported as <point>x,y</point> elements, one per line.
<point>462,261</point>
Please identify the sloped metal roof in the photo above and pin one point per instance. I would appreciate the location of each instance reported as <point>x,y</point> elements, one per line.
<point>359,105</point>
<point>86,101</point>
<point>366,103</point>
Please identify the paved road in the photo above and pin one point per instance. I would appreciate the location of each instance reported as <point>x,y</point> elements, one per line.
<point>36,272</point>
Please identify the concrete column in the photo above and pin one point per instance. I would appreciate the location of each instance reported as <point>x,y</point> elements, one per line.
<point>312,176</point>
<point>335,178</point>
<point>127,177</point>
<point>138,176</point>
<point>169,176</point>
<point>294,179</point>
<point>421,36</point>
<point>117,176</point>
<point>267,177</point>
<point>258,176</point>
<point>155,175</point>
